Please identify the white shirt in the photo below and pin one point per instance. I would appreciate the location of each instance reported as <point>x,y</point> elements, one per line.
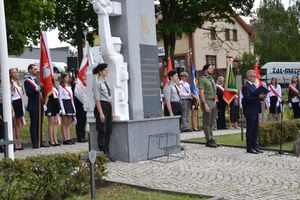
<point>185,90</point>
<point>271,93</point>
<point>17,91</point>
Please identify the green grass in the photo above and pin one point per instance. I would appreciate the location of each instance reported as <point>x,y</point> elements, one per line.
<point>25,133</point>
<point>124,192</point>
<point>235,139</point>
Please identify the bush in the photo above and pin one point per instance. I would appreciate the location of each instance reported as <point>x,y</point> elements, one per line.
<point>47,177</point>
<point>269,133</point>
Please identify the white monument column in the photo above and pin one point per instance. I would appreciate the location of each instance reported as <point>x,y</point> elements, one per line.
<point>110,52</point>
<point>5,83</point>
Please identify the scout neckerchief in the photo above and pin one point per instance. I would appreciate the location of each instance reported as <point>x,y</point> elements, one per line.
<point>293,89</point>
<point>212,81</point>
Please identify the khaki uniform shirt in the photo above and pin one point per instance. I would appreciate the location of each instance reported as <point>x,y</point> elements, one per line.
<point>101,92</point>
<point>172,93</point>
<point>209,92</point>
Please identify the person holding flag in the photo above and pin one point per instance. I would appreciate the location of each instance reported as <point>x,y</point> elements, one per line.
<point>80,94</point>
<point>34,106</point>
<point>221,104</point>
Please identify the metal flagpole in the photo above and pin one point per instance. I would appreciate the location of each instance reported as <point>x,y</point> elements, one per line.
<point>5,84</point>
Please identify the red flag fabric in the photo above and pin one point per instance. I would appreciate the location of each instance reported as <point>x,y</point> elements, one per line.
<point>257,73</point>
<point>80,87</point>
<point>169,68</point>
<point>46,70</point>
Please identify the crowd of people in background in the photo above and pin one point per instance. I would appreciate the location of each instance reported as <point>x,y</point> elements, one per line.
<point>178,100</point>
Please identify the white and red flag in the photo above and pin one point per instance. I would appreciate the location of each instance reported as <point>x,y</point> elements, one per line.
<point>80,87</point>
<point>46,70</point>
<point>258,81</point>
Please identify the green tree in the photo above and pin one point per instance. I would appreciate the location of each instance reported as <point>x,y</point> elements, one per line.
<point>277,32</point>
<point>72,17</point>
<point>247,62</point>
<point>24,21</point>
<point>185,16</point>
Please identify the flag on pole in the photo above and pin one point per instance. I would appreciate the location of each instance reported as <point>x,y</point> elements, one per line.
<point>169,68</point>
<point>193,86</point>
<point>46,70</point>
<point>80,87</point>
<point>230,89</point>
<point>258,81</point>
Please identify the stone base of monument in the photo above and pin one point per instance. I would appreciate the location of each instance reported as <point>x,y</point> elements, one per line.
<point>138,140</point>
<point>297,145</point>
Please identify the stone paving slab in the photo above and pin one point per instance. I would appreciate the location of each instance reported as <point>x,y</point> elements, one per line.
<point>224,172</point>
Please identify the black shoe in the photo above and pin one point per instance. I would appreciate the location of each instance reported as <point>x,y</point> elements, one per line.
<point>44,145</point>
<point>53,145</point>
<point>209,143</point>
<point>35,146</point>
<point>252,151</point>
<point>82,140</point>
<point>67,142</point>
<point>214,142</point>
<point>57,144</point>
<point>258,150</point>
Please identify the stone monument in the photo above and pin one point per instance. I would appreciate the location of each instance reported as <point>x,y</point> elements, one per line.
<point>138,108</point>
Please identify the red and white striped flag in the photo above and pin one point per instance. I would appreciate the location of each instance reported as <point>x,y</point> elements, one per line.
<point>46,70</point>
<point>80,87</point>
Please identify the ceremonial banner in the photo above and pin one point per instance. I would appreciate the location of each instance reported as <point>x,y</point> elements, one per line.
<point>46,70</point>
<point>169,68</point>
<point>80,87</point>
<point>230,89</point>
<point>258,81</point>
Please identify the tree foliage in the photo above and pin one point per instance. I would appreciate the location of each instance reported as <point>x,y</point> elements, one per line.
<point>24,21</point>
<point>185,16</point>
<point>247,62</point>
<point>72,17</point>
<point>277,32</point>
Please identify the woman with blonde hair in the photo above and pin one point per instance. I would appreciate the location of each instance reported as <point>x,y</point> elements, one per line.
<point>67,106</point>
<point>17,96</point>
<point>293,96</point>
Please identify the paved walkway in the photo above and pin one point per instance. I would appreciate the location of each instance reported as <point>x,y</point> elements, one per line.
<point>224,172</point>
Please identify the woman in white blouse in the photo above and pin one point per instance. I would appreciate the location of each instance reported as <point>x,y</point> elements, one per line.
<point>274,99</point>
<point>17,95</point>
<point>67,107</point>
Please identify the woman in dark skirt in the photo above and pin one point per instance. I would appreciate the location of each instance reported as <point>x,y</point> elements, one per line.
<point>53,108</point>
<point>67,106</point>
<point>274,99</point>
<point>17,95</point>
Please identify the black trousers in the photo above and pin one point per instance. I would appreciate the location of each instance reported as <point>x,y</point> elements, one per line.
<point>81,119</point>
<point>104,129</point>
<point>252,131</point>
<point>221,121</point>
<point>296,109</point>
<point>34,126</point>
<point>176,109</point>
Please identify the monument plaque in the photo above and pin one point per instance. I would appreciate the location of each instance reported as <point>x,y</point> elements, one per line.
<point>150,81</point>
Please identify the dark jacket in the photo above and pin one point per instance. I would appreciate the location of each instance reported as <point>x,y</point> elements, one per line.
<point>251,104</point>
<point>32,94</point>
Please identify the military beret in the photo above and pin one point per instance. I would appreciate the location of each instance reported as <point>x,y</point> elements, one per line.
<point>99,67</point>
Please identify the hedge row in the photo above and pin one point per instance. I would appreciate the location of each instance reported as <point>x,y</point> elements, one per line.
<point>269,133</point>
<point>47,177</point>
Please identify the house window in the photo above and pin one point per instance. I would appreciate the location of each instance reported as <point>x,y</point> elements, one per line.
<point>227,34</point>
<point>234,35</point>
<point>212,60</point>
<point>213,33</point>
<point>178,36</point>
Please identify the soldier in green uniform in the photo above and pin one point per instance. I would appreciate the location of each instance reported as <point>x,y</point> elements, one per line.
<point>207,93</point>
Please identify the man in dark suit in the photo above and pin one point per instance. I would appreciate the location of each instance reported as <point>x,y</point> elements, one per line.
<point>251,108</point>
<point>32,89</point>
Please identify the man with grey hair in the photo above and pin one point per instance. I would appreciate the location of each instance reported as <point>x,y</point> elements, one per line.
<point>251,108</point>
<point>186,97</point>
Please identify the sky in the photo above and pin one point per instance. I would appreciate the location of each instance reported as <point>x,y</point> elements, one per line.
<point>54,41</point>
